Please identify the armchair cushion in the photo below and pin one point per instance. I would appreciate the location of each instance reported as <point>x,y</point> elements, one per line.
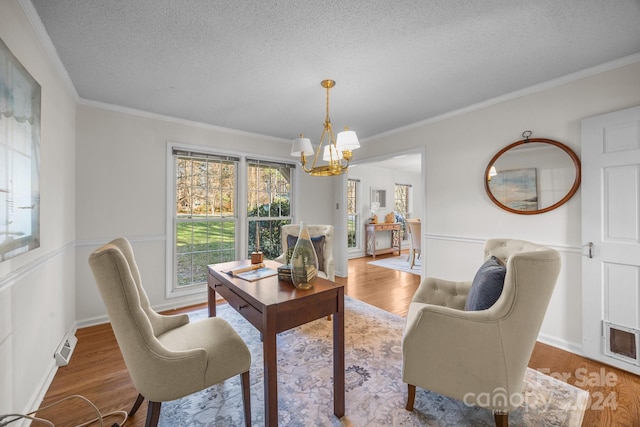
<point>487,285</point>
<point>318,245</point>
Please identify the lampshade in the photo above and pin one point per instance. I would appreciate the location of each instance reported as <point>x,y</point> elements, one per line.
<point>331,153</point>
<point>347,140</point>
<point>301,146</point>
<point>493,171</point>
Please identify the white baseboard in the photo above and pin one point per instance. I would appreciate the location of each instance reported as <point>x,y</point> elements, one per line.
<point>561,344</point>
<point>39,393</point>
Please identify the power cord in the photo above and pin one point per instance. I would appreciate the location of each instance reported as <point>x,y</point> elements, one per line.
<point>4,421</point>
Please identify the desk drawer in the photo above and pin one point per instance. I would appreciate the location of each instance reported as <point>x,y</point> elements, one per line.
<point>388,227</point>
<point>249,312</point>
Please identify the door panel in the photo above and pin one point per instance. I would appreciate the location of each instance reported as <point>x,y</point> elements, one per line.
<point>621,203</point>
<point>611,222</point>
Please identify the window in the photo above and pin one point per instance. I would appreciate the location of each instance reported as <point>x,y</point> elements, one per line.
<point>268,205</point>
<point>402,200</point>
<point>204,216</point>
<point>207,221</point>
<point>353,216</point>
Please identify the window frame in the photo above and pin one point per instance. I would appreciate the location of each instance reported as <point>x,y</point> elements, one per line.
<point>358,216</point>
<point>250,220</point>
<point>408,190</point>
<point>241,204</point>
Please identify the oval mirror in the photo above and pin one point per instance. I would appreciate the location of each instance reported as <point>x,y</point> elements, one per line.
<point>532,176</point>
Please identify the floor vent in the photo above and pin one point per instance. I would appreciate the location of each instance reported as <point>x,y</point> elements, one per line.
<point>622,343</point>
<point>65,349</point>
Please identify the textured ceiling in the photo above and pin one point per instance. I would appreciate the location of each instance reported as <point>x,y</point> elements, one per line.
<point>256,65</point>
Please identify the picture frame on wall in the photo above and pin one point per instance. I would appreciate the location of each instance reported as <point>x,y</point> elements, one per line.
<point>379,196</point>
<point>516,188</point>
<point>20,106</point>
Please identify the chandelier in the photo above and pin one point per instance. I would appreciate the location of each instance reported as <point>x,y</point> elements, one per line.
<point>337,152</point>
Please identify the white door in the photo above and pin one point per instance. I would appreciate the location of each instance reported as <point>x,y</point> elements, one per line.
<point>611,235</point>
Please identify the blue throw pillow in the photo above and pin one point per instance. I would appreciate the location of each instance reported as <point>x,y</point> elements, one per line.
<point>318,245</point>
<point>486,286</point>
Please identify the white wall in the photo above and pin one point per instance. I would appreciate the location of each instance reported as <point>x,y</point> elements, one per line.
<point>37,300</point>
<point>459,216</point>
<point>122,191</point>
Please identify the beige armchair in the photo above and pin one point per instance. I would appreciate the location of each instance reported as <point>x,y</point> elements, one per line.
<point>480,357</point>
<point>326,269</point>
<point>167,356</point>
<point>415,231</point>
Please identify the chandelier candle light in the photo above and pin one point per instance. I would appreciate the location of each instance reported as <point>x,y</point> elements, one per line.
<point>337,153</point>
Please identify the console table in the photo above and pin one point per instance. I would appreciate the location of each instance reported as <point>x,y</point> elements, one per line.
<point>393,228</point>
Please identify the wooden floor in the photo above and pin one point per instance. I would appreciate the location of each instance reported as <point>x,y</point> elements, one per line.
<point>97,371</point>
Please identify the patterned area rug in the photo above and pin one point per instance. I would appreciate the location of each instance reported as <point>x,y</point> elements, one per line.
<point>375,394</point>
<point>398,263</point>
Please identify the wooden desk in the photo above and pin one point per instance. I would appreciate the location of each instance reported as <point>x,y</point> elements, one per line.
<point>392,227</point>
<point>274,306</point>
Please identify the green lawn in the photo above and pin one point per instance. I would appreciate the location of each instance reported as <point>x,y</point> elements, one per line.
<point>200,244</point>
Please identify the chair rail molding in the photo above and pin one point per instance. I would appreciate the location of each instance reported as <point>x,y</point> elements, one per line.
<point>481,240</point>
<point>132,239</point>
<point>22,271</point>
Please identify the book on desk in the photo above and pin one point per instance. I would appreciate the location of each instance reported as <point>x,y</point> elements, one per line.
<point>256,274</point>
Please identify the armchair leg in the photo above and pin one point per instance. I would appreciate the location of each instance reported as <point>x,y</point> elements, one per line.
<point>153,414</point>
<point>246,397</point>
<point>411,397</point>
<point>502,418</point>
<point>136,405</point>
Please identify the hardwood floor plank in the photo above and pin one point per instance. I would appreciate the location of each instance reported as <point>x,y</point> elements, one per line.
<point>97,370</point>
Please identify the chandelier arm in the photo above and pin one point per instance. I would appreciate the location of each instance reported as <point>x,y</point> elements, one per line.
<point>332,141</point>
<point>303,162</point>
<point>319,150</point>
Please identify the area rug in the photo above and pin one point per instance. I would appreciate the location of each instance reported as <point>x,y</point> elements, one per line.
<point>375,393</point>
<point>399,263</point>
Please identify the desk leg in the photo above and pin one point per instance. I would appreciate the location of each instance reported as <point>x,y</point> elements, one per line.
<point>338,357</point>
<point>270,367</point>
<point>211,295</point>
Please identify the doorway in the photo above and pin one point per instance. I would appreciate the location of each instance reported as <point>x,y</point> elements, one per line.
<point>381,173</point>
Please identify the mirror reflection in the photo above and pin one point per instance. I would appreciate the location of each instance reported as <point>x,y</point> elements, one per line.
<point>532,176</point>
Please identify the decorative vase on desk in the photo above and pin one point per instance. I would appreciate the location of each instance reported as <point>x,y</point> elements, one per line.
<point>304,261</point>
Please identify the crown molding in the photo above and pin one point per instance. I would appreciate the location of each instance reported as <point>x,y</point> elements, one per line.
<point>38,27</point>
<point>171,119</point>
<point>568,78</point>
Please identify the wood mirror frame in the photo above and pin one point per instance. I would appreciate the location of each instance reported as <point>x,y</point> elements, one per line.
<point>576,183</point>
